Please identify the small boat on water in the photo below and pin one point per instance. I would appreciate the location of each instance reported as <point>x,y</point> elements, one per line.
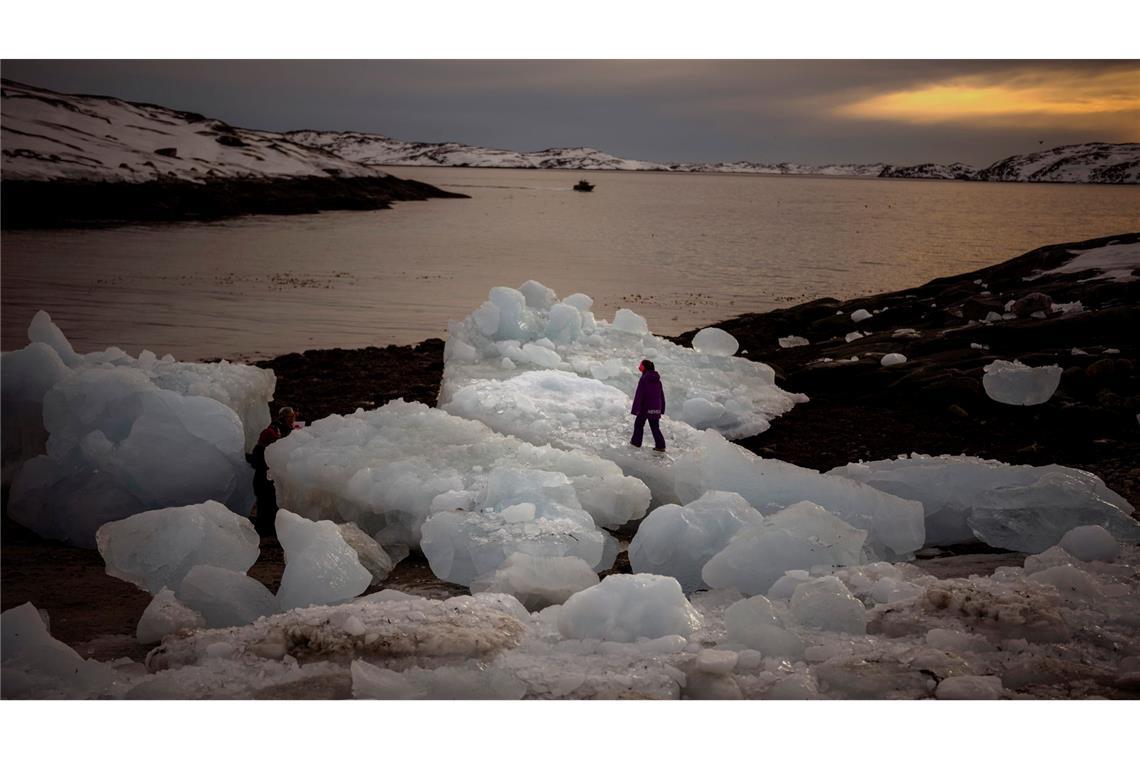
<point>583,186</point>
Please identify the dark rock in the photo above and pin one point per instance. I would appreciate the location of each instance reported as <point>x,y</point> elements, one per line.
<point>1074,382</point>
<point>1031,303</point>
<point>230,141</point>
<point>1101,373</point>
<point>953,388</point>
<point>171,152</point>
<point>977,307</point>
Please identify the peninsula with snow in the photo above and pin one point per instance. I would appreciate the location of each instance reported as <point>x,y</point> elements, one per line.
<point>921,494</point>
<point>80,159</point>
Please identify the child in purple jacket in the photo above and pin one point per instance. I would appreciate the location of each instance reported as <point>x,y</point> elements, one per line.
<point>648,404</point>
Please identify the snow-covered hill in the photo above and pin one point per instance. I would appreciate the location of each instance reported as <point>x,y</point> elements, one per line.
<point>51,136</point>
<point>932,171</point>
<point>1087,162</point>
<point>378,150</point>
<point>1091,162</point>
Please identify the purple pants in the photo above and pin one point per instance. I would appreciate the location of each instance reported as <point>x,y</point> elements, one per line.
<point>654,426</point>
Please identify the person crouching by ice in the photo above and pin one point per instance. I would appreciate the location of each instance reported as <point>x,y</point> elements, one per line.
<point>648,404</point>
<point>263,488</point>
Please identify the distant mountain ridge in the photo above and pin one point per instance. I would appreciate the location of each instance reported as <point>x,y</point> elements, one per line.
<point>1086,162</point>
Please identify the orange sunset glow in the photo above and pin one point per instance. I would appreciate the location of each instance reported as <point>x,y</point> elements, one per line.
<point>1106,98</point>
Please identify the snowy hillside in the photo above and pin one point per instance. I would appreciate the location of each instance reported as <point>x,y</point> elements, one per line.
<point>1088,162</point>
<point>932,171</point>
<point>50,136</point>
<point>1092,162</point>
<point>378,150</point>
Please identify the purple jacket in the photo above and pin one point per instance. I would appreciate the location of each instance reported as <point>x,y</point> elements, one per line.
<point>650,396</point>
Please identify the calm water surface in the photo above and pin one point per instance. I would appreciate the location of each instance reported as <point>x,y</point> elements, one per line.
<point>682,250</point>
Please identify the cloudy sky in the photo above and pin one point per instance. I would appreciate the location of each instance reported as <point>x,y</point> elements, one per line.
<point>778,110</point>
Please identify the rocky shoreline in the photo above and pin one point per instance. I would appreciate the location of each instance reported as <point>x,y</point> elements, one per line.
<point>68,203</point>
<point>933,403</point>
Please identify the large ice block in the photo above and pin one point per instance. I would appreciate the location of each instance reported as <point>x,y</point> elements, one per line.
<point>383,469</point>
<point>627,607</point>
<point>224,597</point>
<point>166,615</point>
<point>894,525</point>
<point>157,548</point>
<point>801,537</point>
<point>35,664</point>
<point>677,540</point>
<point>1017,507</point>
<point>320,566</point>
<point>121,435</point>
<point>530,512</point>
<point>538,582</point>
<point>1018,384</point>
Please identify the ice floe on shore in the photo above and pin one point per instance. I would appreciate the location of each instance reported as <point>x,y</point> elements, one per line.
<point>390,469</point>
<point>1017,507</point>
<point>91,438</point>
<point>526,329</point>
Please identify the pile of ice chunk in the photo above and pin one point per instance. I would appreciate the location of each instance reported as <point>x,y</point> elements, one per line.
<point>156,549</point>
<point>538,582</point>
<point>575,413</point>
<point>827,604</point>
<point>166,615</point>
<point>1018,384</point>
<point>531,512</point>
<point>389,469</point>
<point>678,540</point>
<point>320,566</point>
<point>894,525</point>
<point>528,329</point>
<point>224,597</point>
<point>757,624</point>
<point>91,438</point>
<point>628,607</point>
<point>1018,507</point>
<point>801,537</point>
